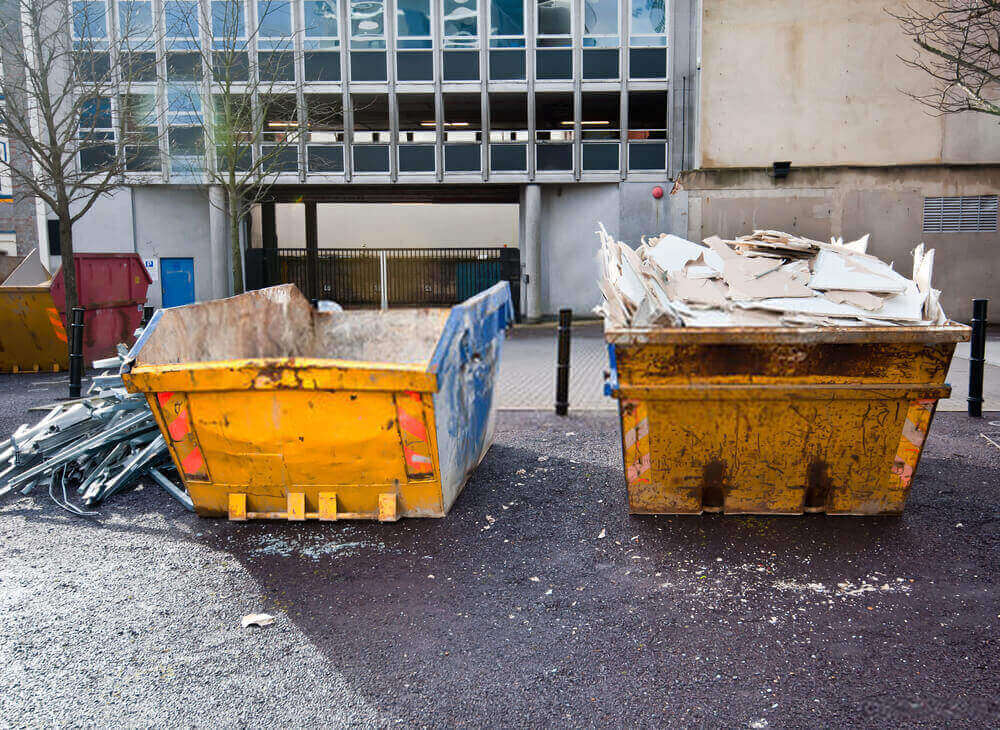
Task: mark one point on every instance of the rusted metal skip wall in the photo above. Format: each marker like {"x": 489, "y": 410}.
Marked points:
{"x": 774, "y": 426}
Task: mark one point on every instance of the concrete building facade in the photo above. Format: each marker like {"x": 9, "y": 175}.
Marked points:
{"x": 825, "y": 93}
{"x": 554, "y": 115}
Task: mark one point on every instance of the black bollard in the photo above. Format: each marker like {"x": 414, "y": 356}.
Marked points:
{"x": 977, "y": 359}
{"x": 562, "y": 362}
{"x": 76, "y": 352}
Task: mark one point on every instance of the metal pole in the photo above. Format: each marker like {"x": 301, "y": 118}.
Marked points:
{"x": 383, "y": 272}
{"x": 977, "y": 358}
{"x": 76, "y": 352}
{"x": 562, "y": 362}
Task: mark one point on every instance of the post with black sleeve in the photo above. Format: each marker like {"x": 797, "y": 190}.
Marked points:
{"x": 562, "y": 362}
{"x": 977, "y": 358}
{"x": 76, "y": 352}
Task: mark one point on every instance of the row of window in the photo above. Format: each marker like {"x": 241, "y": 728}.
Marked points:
{"x": 461, "y": 157}
{"x": 551, "y": 64}
{"x": 415, "y": 116}
{"x": 275, "y": 21}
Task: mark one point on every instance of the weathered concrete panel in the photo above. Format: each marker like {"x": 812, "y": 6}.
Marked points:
{"x": 107, "y": 226}
{"x": 818, "y": 83}
{"x": 733, "y": 214}
{"x": 849, "y": 202}
{"x": 966, "y": 265}
{"x": 398, "y": 225}
{"x": 173, "y": 222}
{"x": 570, "y": 270}
{"x": 642, "y": 215}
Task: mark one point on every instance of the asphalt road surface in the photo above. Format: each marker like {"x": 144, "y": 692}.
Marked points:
{"x": 512, "y": 611}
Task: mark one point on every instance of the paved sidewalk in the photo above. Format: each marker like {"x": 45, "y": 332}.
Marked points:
{"x": 528, "y": 371}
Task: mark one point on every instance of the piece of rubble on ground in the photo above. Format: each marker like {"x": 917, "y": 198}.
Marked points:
{"x": 95, "y": 447}
{"x": 768, "y": 278}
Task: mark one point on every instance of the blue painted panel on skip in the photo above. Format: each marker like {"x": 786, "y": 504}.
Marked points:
{"x": 466, "y": 361}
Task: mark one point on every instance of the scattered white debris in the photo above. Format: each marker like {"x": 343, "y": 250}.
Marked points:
{"x": 766, "y": 278}
{"x": 258, "y": 619}
{"x": 314, "y": 545}
{"x": 534, "y": 579}
{"x": 990, "y": 440}
{"x": 602, "y": 534}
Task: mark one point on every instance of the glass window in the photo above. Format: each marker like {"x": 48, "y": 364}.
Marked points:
{"x": 90, "y": 19}
{"x": 321, "y": 19}
{"x": 367, "y": 24}
{"x": 181, "y": 17}
{"x": 507, "y": 24}
{"x": 95, "y": 114}
{"x": 183, "y": 104}
{"x": 461, "y": 24}
{"x": 648, "y": 23}
{"x": 600, "y": 17}
{"x": 600, "y": 23}
{"x": 227, "y": 19}
{"x": 555, "y": 23}
{"x": 413, "y": 24}
{"x": 274, "y": 18}
{"x": 321, "y": 29}
{"x": 135, "y": 19}
{"x": 139, "y": 112}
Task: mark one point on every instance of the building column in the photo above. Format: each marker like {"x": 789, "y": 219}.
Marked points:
{"x": 219, "y": 255}
{"x": 533, "y": 252}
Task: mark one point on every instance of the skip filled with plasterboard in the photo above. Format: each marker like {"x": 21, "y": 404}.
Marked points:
{"x": 767, "y": 278}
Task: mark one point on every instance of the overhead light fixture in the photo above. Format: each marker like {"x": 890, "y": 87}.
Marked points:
{"x": 446, "y": 124}
{"x": 594, "y": 123}
{"x": 280, "y": 125}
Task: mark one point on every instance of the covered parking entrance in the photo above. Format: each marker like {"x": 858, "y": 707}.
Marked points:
{"x": 387, "y": 246}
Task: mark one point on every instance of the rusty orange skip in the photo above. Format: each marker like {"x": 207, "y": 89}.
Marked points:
{"x": 776, "y": 420}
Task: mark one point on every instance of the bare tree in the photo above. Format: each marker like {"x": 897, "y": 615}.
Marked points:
{"x": 957, "y": 44}
{"x": 245, "y": 106}
{"x": 69, "y": 69}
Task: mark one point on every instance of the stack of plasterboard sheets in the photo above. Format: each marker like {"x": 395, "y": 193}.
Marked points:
{"x": 768, "y": 278}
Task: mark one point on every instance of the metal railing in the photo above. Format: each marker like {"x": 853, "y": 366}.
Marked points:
{"x": 387, "y": 277}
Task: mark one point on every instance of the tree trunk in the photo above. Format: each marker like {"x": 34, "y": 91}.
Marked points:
{"x": 233, "y": 205}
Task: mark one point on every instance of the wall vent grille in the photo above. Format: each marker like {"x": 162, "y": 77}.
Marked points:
{"x": 960, "y": 214}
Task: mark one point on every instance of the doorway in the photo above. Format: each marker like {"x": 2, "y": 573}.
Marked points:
{"x": 177, "y": 281}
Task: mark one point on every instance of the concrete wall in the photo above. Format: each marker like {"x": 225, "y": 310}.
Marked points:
{"x": 174, "y": 222}
{"x": 818, "y": 83}
{"x": 155, "y": 222}
{"x": 397, "y": 225}
{"x": 106, "y": 227}
{"x": 849, "y": 202}
{"x": 569, "y": 244}
{"x": 640, "y": 214}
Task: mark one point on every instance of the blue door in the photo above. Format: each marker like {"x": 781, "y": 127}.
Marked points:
{"x": 177, "y": 281}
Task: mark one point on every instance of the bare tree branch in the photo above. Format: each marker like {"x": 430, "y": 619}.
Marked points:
{"x": 62, "y": 87}
{"x": 957, "y": 46}
{"x": 245, "y": 107}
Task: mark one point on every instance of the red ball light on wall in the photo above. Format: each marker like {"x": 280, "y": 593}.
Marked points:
{"x": 657, "y": 192}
